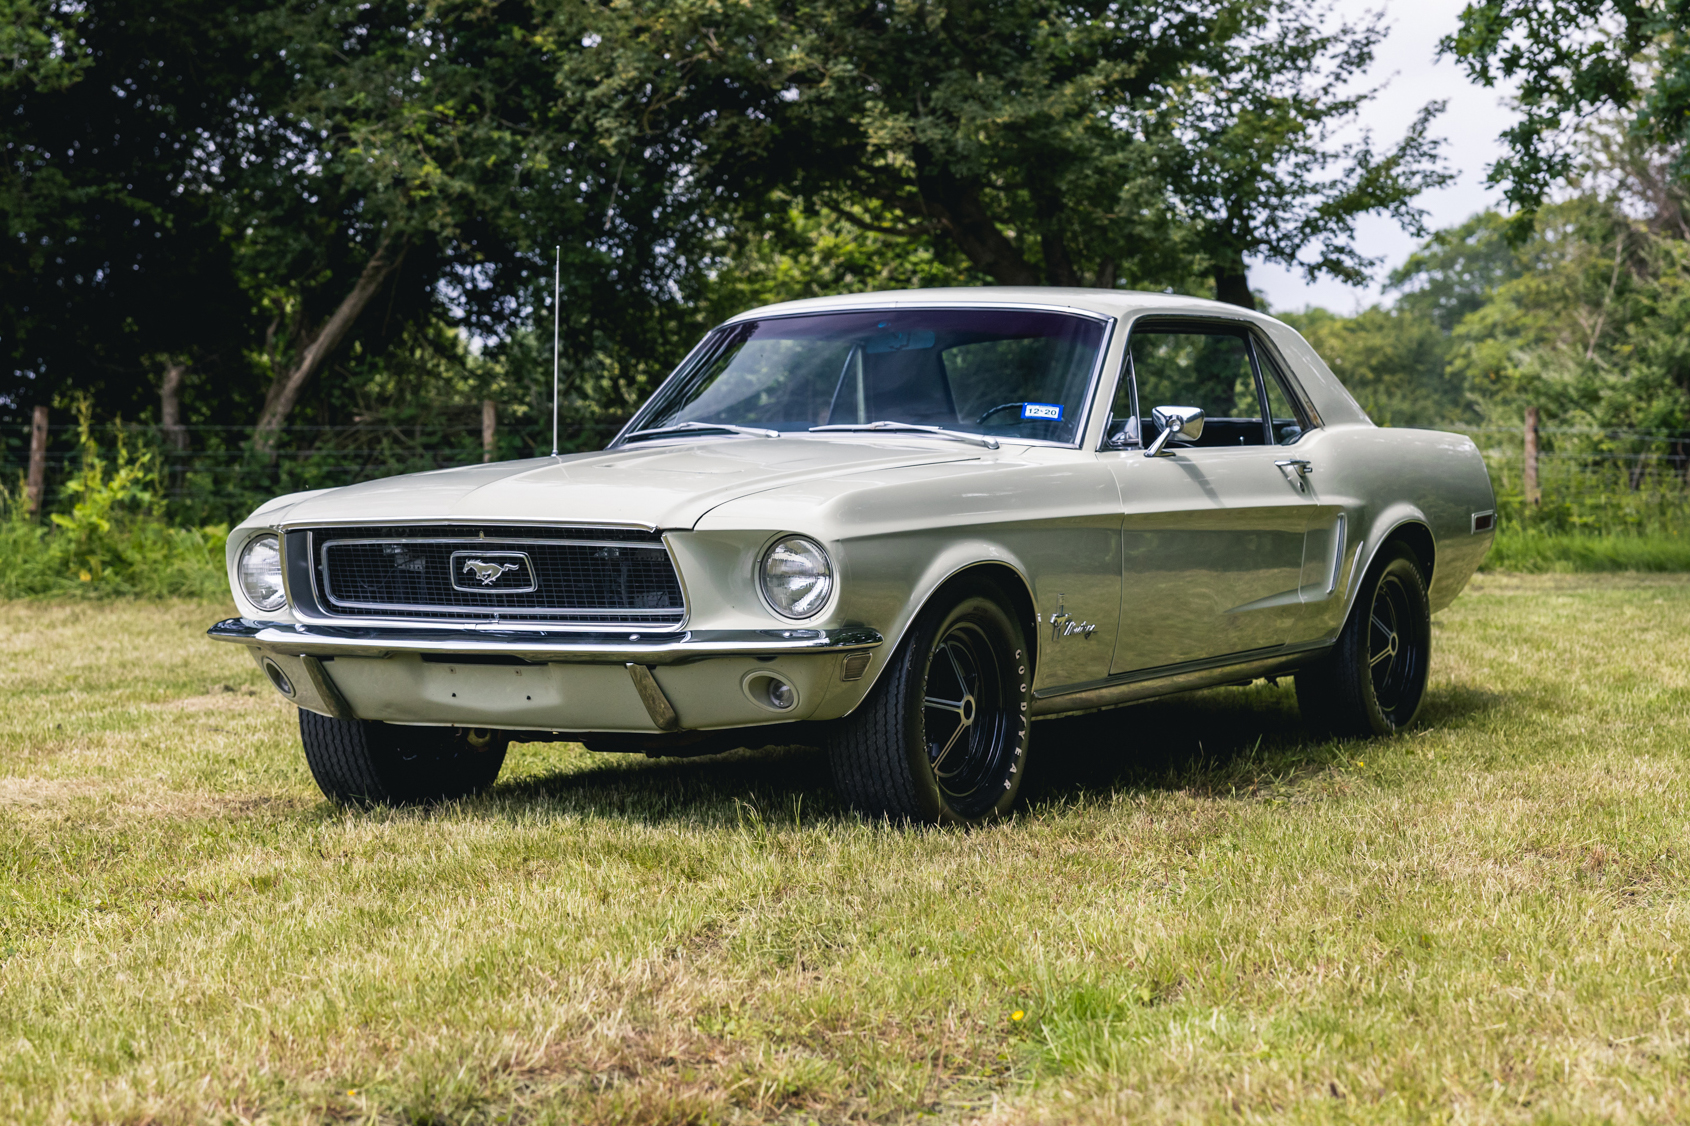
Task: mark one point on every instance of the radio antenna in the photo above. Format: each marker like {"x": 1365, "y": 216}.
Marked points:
{"x": 557, "y": 274}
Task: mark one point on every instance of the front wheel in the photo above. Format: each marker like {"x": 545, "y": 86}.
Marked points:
{"x": 943, "y": 736}
{"x": 360, "y": 762}
{"x": 1373, "y": 681}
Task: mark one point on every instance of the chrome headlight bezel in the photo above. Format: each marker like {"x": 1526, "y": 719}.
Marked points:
{"x": 782, "y": 572}
{"x": 258, "y": 573}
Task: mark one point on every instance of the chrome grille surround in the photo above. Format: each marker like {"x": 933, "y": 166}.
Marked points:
{"x": 591, "y": 577}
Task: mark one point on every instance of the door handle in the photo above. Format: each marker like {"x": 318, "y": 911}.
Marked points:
{"x": 1300, "y": 468}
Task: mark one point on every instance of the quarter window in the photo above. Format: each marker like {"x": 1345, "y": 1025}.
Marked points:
{"x": 1286, "y": 421}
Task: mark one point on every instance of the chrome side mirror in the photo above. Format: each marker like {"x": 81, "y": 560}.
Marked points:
{"x": 1178, "y": 424}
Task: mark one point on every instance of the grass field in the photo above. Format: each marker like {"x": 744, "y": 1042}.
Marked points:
{"x": 1204, "y": 917}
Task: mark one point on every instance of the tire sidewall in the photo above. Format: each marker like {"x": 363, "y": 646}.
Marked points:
{"x": 1403, "y": 567}
{"x": 982, "y": 605}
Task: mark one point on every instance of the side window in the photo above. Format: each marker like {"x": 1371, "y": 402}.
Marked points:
{"x": 1287, "y": 422}
{"x": 1202, "y": 366}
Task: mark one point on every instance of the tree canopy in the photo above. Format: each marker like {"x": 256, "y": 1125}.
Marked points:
{"x": 1573, "y": 60}
{"x": 253, "y": 215}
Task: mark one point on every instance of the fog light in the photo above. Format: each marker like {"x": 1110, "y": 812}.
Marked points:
{"x": 767, "y": 690}
{"x": 278, "y": 677}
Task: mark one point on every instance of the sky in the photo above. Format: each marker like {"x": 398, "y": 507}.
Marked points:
{"x": 1407, "y": 61}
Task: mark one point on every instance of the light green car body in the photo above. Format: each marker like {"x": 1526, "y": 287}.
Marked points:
{"x": 1133, "y": 576}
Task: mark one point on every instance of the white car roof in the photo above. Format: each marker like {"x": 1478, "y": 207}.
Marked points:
{"x": 1108, "y": 302}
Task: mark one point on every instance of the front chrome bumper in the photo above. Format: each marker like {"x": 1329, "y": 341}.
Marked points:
{"x": 407, "y": 675}
{"x": 541, "y": 648}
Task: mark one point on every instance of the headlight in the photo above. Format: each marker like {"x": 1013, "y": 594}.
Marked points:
{"x": 260, "y": 573}
{"x": 797, "y": 576}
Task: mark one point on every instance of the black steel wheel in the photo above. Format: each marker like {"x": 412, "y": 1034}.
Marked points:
{"x": 942, "y": 736}
{"x": 360, "y": 762}
{"x": 1373, "y": 681}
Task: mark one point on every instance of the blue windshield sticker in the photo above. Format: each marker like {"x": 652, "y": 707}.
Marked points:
{"x": 1042, "y": 410}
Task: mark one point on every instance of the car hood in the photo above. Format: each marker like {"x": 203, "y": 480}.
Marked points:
{"x": 667, "y": 485}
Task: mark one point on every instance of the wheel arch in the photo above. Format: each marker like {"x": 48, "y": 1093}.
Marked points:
{"x": 1005, "y": 575}
{"x": 1006, "y": 578}
{"x": 1417, "y": 536}
{"x": 1411, "y": 530}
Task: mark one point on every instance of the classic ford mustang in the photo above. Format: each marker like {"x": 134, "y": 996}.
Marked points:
{"x": 899, "y": 525}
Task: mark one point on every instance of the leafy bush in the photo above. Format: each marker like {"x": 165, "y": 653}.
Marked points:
{"x": 114, "y": 540}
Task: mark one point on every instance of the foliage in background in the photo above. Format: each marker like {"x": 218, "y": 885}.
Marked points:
{"x": 242, "y": 207}
{"x": 1586, "y": 318}
{"x": 303, "y": 242}
{"x": 1393, "y": 361}
{"x": 1572, "y": 60}
{"x": 1048, "y": 143}
{"x": 113, "y": 538}
{"x": 1537, "y": 552}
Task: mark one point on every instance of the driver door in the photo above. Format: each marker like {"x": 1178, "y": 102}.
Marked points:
{"x": 1212, "y": 536}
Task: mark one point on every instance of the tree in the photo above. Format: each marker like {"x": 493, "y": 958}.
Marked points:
{"x": 1456, "y": 270}
{"x": 430, "y": 157}
{"x": 1254, "y": 161}
{"x": 1574, "y": 59}
{"x": 1050, "y": 143}
{"x": 112, "y": 264}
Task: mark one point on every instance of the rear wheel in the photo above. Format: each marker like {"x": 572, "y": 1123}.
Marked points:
{"x": 360, "y": 762}
{"x": 1373, "y": 681}
{"x": 943, "y": 735}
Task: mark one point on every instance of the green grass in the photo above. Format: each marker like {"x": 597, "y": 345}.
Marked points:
{"x": 1206, "y": 916}
{"x": 1534, "y": 552}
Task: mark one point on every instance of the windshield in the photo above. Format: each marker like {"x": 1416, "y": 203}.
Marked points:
{"x": 1008, "y": 373}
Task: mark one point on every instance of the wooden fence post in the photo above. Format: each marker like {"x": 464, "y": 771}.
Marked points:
{"x": 489, "y": 428}
{"x": 1533, "y": 495}
{"x": 35, "y": 486}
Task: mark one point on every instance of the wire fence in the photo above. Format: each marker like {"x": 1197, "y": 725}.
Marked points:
{"x": 1588, "y": 479}
{"x": 210, "y": 473}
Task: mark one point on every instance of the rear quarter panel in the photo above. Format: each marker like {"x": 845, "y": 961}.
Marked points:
{"x": 1382, "y": 478}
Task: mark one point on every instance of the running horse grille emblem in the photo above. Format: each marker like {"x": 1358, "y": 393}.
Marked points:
{"x": 493, "y": 572}
{"x": 489, "y": 573}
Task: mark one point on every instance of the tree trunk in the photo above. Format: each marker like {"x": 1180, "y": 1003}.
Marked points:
{"x": 1232, "y": 284}
{"x": 35, "y": 486}
{"x": 956, "y": 206}
{"x": 286, "y": 388}
{"x": 1059, "y": 267}
{"x": 1105, "y": 274}
{"x": 489, "y": 428}
{"x": 170, "y": 405}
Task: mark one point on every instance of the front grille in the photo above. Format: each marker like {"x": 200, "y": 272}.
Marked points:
{"x": 598, "y": 576}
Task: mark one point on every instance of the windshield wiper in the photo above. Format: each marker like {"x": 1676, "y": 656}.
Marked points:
{"x": 910, "y": 427}
{"x": 684, "y": 427}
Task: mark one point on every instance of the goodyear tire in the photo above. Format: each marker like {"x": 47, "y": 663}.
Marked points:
{"x": 942, "y": 736}
{"x": 1374, "y": 680}
{"x": 358, "y": 762}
